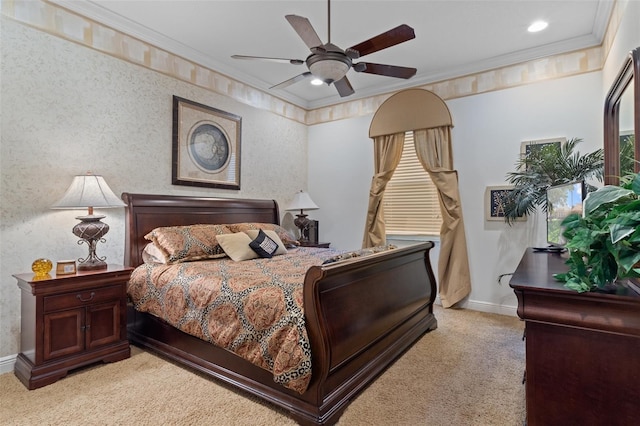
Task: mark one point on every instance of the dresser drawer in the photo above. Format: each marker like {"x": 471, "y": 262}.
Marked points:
{"x": 81, "y": 298}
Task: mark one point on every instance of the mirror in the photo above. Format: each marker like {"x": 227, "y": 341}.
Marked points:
{"x": 622, "y": 122}
{"x": 625, "y": 136}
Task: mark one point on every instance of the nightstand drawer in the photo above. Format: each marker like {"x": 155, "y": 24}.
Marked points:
{"x": 81, "y": 298}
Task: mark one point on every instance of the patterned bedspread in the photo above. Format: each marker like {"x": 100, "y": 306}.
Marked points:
{"x": 253, "y": 308}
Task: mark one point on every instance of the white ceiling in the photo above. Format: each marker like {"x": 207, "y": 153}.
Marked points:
{"x": 453, "y": 37}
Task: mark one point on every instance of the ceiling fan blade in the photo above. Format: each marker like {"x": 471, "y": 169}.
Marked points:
{"x": 388, "y": 70}
{"x": 390, "y": 38}
{"x": 344, "y": 87}
{"x": 263, "y": 58}
{"x": 305, "y": 30}
{"x": 292, "y": 80}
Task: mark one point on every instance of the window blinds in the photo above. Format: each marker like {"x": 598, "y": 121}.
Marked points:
{"x": 410, "y": 201}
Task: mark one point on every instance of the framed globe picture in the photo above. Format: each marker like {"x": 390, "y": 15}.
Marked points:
{"x": 206, "y": 146}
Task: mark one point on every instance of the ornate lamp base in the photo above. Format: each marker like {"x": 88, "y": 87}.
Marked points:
{"x": 91, "y": 230}
{"x": 302, "y": 223}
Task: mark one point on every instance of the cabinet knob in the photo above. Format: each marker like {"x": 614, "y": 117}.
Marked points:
{"x": 79, "y": 296}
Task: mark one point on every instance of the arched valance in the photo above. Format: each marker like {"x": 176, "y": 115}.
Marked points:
{"x": 408, "y": 110}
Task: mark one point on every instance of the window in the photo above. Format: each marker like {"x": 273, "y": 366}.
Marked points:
{"x": 410, "y": 203}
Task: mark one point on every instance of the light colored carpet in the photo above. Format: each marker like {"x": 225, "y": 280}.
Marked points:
{"x": 467, "y": 372}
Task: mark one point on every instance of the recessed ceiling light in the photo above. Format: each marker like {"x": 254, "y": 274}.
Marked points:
{"x": 316, "y": 82}
{"x": 537, "y": 26}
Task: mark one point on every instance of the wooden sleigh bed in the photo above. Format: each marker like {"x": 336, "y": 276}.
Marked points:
{"x": 360, "y": 314}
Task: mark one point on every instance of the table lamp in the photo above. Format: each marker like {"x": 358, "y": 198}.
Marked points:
{"x": 89, "y": 191}
{"x": 302, "y": 201}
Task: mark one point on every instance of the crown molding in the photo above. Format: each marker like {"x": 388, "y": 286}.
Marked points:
{"x": 104, "y": 16}
{"x": 119, "y": 23}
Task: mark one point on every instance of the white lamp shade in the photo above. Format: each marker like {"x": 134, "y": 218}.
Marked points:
{"x": 88, "y": 191}
{"x": 302, "y": 201}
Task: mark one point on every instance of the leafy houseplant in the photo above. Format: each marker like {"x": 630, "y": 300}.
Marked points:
{"x": 604, "y": 242}
{"x": 547, "y": 166}
{"x": 627, "y": 147}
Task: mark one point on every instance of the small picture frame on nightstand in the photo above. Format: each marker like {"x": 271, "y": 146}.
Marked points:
{"x": 312, "y": 231}
{"x": 65, "y": 267}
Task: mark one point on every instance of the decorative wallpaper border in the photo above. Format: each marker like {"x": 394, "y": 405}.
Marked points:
{"x": 71, "y": 26}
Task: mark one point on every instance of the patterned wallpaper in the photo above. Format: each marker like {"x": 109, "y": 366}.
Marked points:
{"x": 66, "y": 110}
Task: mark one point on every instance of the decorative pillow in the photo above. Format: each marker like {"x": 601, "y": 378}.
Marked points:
{"x": 263, "y": 245}
{"x": 236, "y": 246}
{"x": 284, "y": 235}
{"x": 152, "y": 254}
{"x": 190, "y": 242}
{"x": 253, "y": 234}
{"x": 358, "y": 253}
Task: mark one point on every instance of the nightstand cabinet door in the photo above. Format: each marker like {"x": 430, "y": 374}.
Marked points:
{"x": 63, "y": 333}
{"x": 102, "y": 326}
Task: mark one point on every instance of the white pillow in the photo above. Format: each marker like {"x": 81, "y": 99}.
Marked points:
{"x": 152, "y": 254}
{"x": 253, "y": 234}
{"x": 236, "y": 246}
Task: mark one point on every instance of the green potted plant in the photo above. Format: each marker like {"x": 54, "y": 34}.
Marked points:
{"x": 547, "y": 166}
{"x": 604, "y": 241}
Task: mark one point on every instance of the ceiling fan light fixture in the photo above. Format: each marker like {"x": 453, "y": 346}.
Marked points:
{"x": 329, "y": 70}
{"x": 317, "y": 82}
{"x": 329, "y": 67}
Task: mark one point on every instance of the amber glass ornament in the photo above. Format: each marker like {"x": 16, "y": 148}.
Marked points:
{"x": 41, "y": 267}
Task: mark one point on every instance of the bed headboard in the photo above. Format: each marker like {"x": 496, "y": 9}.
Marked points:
{"x": 145, "y": 212}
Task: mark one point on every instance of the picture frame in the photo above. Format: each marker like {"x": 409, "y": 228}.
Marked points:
{"x": 527, "y": 146}
{"x": 206, "y": 146}
{"x": 66, "y": 267}
{"x": 494, "y": 203}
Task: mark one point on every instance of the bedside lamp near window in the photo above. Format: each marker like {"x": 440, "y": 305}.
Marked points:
{"x": 89, "y": 191}
{"x": 302, "y": 201}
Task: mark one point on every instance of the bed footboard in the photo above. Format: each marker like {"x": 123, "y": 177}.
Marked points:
{"x": 361, "y": 314}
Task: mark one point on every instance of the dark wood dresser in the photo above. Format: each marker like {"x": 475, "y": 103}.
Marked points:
{"x": 69, "y": 321}
{"x": 582, "y": 350}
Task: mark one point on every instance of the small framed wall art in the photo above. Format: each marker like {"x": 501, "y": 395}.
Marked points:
{"x": 206, "y": 146}
{"x": 526, "y": 147}
{"x": 495, "y": 199}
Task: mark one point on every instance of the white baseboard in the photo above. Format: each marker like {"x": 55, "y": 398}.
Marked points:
{"x": 490, "y": 308}
{"x": 7, "y": 363}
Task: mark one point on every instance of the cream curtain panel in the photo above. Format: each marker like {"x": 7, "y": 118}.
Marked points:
{"x": 433, "y": 147}
{"x": 387, "y": 153}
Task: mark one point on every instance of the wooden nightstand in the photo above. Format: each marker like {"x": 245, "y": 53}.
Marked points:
{"x": 318, "y": 245}
{"x": 69, "y": 321}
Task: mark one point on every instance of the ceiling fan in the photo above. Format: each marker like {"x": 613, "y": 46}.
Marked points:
{"x": 330, "y": 64}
